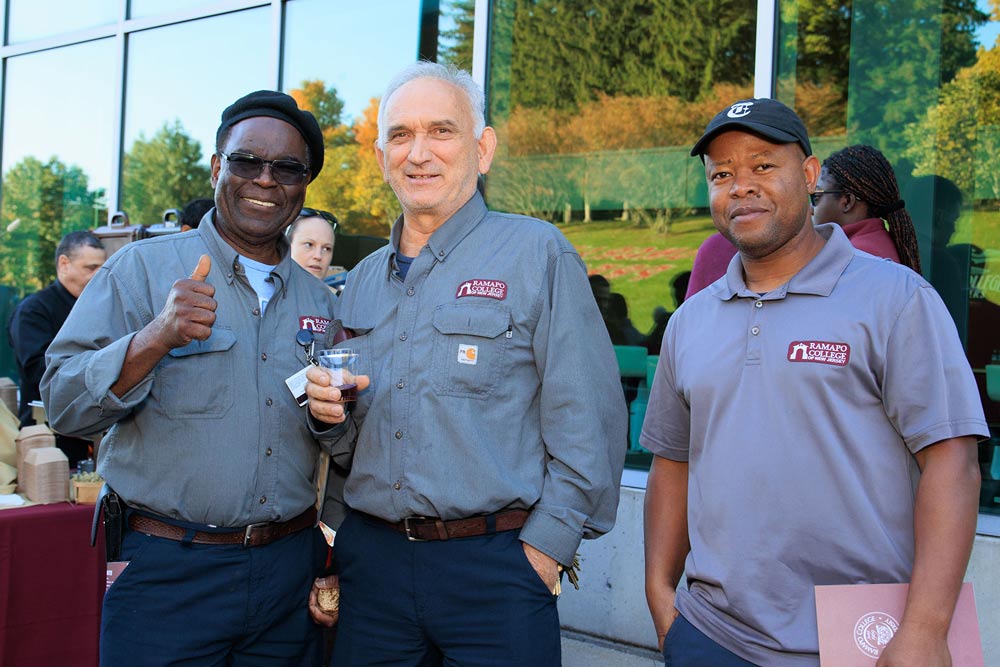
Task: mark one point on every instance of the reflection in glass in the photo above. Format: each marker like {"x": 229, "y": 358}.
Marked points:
{"x": 179, "y": 80}
{"x": 596, "y": 106}
{"x": 921, "y": 81}
{"x": 33, "y": 19}
{"x": 344, "y": 97}
{"x": 57, "y": 156}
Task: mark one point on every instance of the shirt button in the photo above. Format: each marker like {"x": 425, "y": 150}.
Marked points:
{"x": 397, "y": 486}
{"x": 400, "y": 384}
{"x": 268, "y": 452}
{"x": 440, "y": 253}
{"x": 410, "y": 291}
{"x": 759, "y": 304}
{"x": 269, "y": 402}
{"x": 755, "y": 330}
{"x": 256, "y": 312}
{"x": 263, "y": 356}
{"x": 399, "y": 435}
{"x": 402, "y": 336}
{"x": 263, "y": 499}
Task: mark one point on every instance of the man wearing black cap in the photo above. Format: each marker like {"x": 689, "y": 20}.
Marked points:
{"x": 207, "y": 447}
{"x": 813, "y": 420}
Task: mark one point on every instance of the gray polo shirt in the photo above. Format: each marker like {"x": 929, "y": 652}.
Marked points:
{"x": 799, "y": 412}
{"x": 212, "y": 435}
{"x": 494, "y": 382}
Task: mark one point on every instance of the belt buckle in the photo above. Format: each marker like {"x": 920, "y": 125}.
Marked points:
{"x": 249, "y": 530}
{"x": 406, "y": 529}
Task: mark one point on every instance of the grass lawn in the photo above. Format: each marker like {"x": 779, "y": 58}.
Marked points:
{"x": 638, "y": 261}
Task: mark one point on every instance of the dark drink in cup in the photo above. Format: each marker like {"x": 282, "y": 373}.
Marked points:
{"x": 341, "y": 364}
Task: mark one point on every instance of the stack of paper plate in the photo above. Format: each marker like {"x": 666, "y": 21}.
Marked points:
{"x": 44, "y": 475}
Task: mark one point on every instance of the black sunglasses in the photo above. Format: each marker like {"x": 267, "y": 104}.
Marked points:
{"x": 286, "y": 172}
{"x": 315, "y": 212}
{"x": 814, "y": 196}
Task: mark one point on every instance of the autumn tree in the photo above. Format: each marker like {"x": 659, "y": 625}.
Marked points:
{"x": 161, "y": 173}
{"x": 350, "y": 185}
{"x": 959, "y": 138}
{"x": 42, "y": 201}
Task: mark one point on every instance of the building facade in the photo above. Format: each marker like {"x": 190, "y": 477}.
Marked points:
{"x": 111, "y": 106}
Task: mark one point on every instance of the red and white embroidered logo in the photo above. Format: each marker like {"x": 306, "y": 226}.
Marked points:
{"x": 314, "y": 323}
{"x": 819, "y": 352}
{"x": 491, "y": 289}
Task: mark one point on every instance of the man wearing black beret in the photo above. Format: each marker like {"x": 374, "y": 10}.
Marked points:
{"x": 180, "y": 348}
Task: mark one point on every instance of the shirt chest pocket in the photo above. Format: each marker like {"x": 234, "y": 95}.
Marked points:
{"x": 196, "y": 381}
{"x": 470, "y": 344}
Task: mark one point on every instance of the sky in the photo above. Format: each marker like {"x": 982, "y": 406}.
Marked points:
{"x": 192, "y": 71}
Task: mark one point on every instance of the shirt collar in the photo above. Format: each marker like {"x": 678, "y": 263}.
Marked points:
{"x": 818, "y": 277}
{"x": 446, "y": 237}
{"x": 220, "y": 250}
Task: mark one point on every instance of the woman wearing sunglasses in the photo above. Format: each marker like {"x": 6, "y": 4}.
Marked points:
{"x": 857, "y": 189}
{"x": 311, "y": 237}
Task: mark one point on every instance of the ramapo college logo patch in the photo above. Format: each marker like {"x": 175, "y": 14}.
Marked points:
{"x": 819, "y": 352}
{"x": 492, "y": 289}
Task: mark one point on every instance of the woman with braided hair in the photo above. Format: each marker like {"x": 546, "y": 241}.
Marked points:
{"x": 857, "y": 189}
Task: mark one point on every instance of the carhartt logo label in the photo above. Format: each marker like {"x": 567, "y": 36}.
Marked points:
{"x": 492, "y": 289}
{"x": 468, "y": 354}
{"x": 873, "y": 631}
{"x": 314, "y": 323}
{"x": 739, "y": 110}
{"x": 819, "y": 352}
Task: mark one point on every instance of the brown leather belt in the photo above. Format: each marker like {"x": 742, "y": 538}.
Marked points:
{"x": 426, "y": 529}
{"x": 254, "y": 535}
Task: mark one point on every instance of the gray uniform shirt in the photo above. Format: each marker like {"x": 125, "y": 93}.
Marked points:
{"x": 799, "y": 412}
{"x": 494, "y": 382}
{"x": 212, "y": 435}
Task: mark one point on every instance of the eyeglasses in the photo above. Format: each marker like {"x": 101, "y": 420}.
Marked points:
{"x": 814, "y": 196}
{"x": 286, "y": 172}
{"x": 315, "y": 212}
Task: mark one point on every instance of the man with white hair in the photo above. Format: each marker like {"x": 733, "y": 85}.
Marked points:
{"x": 493, "y": 436}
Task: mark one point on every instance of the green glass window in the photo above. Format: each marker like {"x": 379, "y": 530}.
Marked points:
{"x": 596, "y": 106}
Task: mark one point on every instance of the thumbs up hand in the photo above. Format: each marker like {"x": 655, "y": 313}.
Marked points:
{"x": 190, "y": 309}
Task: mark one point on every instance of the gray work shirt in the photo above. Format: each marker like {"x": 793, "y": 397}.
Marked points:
{"x": 494, "y": 382}
{"x": 212, "y": 435}
{"x": 798, "y": 412}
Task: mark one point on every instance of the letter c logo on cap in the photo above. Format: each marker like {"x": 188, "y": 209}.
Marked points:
{"x": 739, "y": 110}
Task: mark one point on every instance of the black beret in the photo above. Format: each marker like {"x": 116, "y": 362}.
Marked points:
{"x": 283, "y": 107}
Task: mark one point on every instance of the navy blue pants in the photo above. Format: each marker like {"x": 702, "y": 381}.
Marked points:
{"x": 686, "y": 646}
{"x": 474, "y": 601}
{"x": 209, "y": 605}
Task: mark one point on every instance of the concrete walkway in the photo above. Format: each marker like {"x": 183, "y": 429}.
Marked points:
{"x": 583, "y": 651}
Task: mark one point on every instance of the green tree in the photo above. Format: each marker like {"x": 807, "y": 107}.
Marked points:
{"x": 162, "y": 172}
{"x": 956, "y": 137}
{"x": 42, "y": 201}
{"x": 456, "y": 44}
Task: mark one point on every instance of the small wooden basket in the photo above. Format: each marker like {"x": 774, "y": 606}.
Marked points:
{"x": 84, "y": 493}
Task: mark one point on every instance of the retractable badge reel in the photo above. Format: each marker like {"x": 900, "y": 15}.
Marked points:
{"x": 297, "y": 383}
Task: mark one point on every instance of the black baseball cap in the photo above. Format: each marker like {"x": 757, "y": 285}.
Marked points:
{"x": 768, "y": 118}
{"x": 283, "y": 107}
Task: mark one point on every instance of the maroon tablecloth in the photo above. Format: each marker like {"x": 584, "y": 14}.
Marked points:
{"x": 51, "y": 586}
